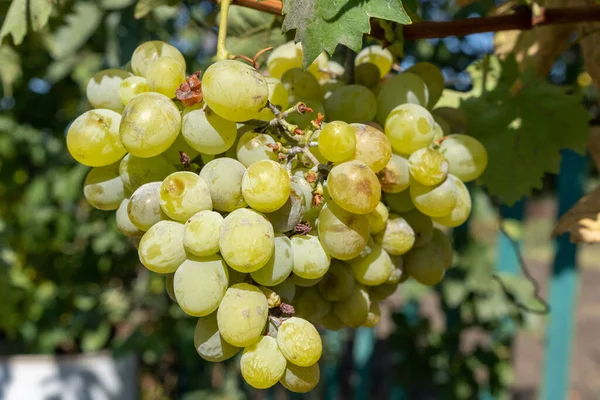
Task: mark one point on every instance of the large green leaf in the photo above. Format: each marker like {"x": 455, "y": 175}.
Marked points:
{"x": 323, "y": 24}
{"x": 16, "y": 24}
{"x": 250, "y": 31}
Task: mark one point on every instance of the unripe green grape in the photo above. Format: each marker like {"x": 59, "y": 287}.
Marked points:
{"x": 354, "y": 187}
{"x": 435, "y": 201}
{"x": 183, "y": 194}
{"x": 398, "y": 237}
{"x": 262, "y": 364}
{"x": 301, "y": 85}
{"x": 253, "y": 147}
{"x": 338, "y": 283}
{"x": 169, "y": 286}
{"x": 103, "y": 188}
{"x": 375, "y": 54}
{"x": 93, "y": 138}
{"x": 383, "y": 291}
{"x": 353, "y": 310}
{"x": 433, "y": 79}
{"x": 147, "y": 52}
{"x": 279, "y": 266}
{"x": 286, "y": 290}
{"x": 223, "y": 176}
{"x": 402, "y": 89}
{"x": 311, "y": 261}
{"x": 278, "y": 96}
{"x": 161, "y": 248}
{"x": 291, "y": 213}
{"x": 201, "y": 234}
{"x": 425, "y": 264}
{"x": 102, "y": 90}
{"x": 131, "y": 87}
{"x": 124, "y": 224}
{"x": 442, "y": 241}
{"x": 374, "y": 315}
{"x": 299, "y": 342}
{"x": 164, "y": 75}
{"x": 331, "y": 322}
{"x": 150, "y": 124}
{"x": 466, "y": 156}
{"x": 351, "y": 103}
{"x": 144, "y": 206}
{"x": 378, "y": 218}
{"x": 304, "y": 120}
{"x": 172, "y": 154}
{"x": 242, "y": 314}
{"x": 395, "y": 176}
{"x": 300, "y": 379}
{"x": 337, "y": 141}
{"x": 304, "y": 282}
{"x": 234, "y": 90}
{"x": 409, "y": 127}
{"x": 135, "y": 171}
{"x": 461, "y": 211}
{"x": 399, "y": 202}
{"x": 266, "y": 186}
{"x": 247, "y": 240}
{"x": 330, "y": 86}
{"x": 372, "y": 147}
{"x": 283, "y": 58}
{"x": 207, "y": 132}
{"x": 209, "y": 343}
{"x": 428, "y": 167}
{"x": 342, "y": 234}
{"x": 421, "y": 224}
{"x": 209, "y": 274}
{"x": 367, "y": 75}
{"x": 373, "y": 266}
{"x": 311, "y": 305}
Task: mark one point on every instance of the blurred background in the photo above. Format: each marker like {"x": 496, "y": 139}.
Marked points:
{"x": 80, "y": 318}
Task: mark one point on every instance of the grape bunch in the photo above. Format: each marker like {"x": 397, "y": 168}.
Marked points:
{"x": 280, "y": 201}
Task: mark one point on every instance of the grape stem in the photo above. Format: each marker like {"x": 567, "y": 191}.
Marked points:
{"x": 222, "y": 53}
{"x": 310, "y": 156}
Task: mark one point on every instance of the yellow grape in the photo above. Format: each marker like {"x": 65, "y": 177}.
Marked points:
{"x": 299, "y": 342}
{"x": 372, "y": 147}
{"x": 131, "y": 87}
{"x": 161, "y": 248}
{"x": 165, "y": 75}
{"x": 403, "y": 89}
{"x": 284, "y": 58}
{"x": 223, "y": 176}
{"x": 252, "y": 147}
{"x": 373, "y": 266}
{"x": 147, "y": 52}
{"x": 311, "y": 261}
{"x": 466, "y": 156}
{"x": 266, "y": 186}
{"x": 183, "y": 194}
{"x": 209, "y": 343}
{"x": 375, "y": 54}
{"x": 395, "y": 176}
{"x": 409, "y": 127}
{"x": 342, "y": 234}
{"x": 279, "y": 266}
{"x": 278, "y": 96}
{"x": 242, "y": 314}
{"x": 354, "y": 187}
{"x": 398, "y": 237}
{"x": 460, "y": 213}
{"x": 378, "y": 218}
{"x": 103, "y": 188}
{"x": 428, "y": 167}
{"x": 201, "y": 234}
{"x": 337, "y": 141}
{"x": 102, "y": 90}
{"x": 135, "y": 171}
{"x": 435, "y": 201}
{"x": 124, "y": 224}
{"x": 144, "y": 206}
{"x": 262, "y": 363}
{"x": 207, "y": 132}
{"x": 300, "y": 379}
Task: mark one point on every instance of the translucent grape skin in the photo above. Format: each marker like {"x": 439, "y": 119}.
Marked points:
{"x": 428, "y": 167}
{"x": 144, "y": 206}
{"x": 131, "y": 87}
{"x": 299, "y": 342}
{"x": 207, "y": 132}
{"x": 103, "y": 187}
{"x": 409, "y": 127}
{"x": 373, "y": 266}
{"x": 402, "y": 89}
{"x": 377, "y": 218}
{"x": 395, "y": 176}
{"x": 161, "y": 248}
{"x": 467, "y": 157}
{"x": 93, "y": 138}
{"x": 422, "y": 226}
{"x": 398, "y": 237}
{"x": 351, "y": 103}
{"x": 201, "y": 234}
{"x": 279, "y": 266}
{"x": 164, "y": 75}
{"x": 337, "y": 141}
{"x": 343, "y": 234}
{"x": 372, "y": 147}
{"x": 300, "y": 379}
{"x": 149, "y": 125}
{"x": 311, "y": 261}
{"x": 234, "y": 90}
{"x": 242, "y": 314}
{"x": 434, "y": 201}
{"x": 147, "y": 52}
{"x": 353, "y": 310}
{"x": 301, "y": 85}
{"x": 135, "y": 171}
{"x": 266, "y": 186}
{"x": 124, "y": 224}
{"x": 247, "y": 240}
{"x": 278, "y": 96}
{"x": 375, "y": 54}
{"x": 209, "y": 343}
{"x": 183, "y": 194}
{"x": 208, "y": 273}
{"x": 354, "y": 187}
{"x": 252, "y": 147}
{"x": 102, "y": 90}
{"x": 262, "y": 364}
{"x": 338, "y": 283}
{"x": 425, "y": 265}
{"x": 399, "y": 202}
{"x": 223, "y": 176}
{"x": 460, "y": 213}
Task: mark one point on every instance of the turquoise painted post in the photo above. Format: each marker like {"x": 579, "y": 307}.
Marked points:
{"x": 411, "y": 311}
{"x": 563, "y": 287}
{"x": 507, "y": 259}
{"x": 362, "y": 351}
{"x": 334, "y": 341}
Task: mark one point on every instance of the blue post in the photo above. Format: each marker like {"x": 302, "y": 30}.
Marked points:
{"x": 507, "y": 259}
{"x": 364, "y": 344}
{"x": 563, "y": 287}
{"x": 334, "y": 341}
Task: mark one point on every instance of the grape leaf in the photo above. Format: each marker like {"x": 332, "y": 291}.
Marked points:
{"x": 10, "y": 68}
{"x": 16, "y": 22}
{"x": 143, "y": 7}
{"x": 524, "y": 122}
{"x": 323, "y": 24}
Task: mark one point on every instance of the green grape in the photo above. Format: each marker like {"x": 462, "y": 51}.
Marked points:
{"x": 337, "y": 141}
{"x": 374, "y": 315}
{"x": 131, "y": 87}
{"x": 209, "y": 343}
{"x": 378, "y": 218}
{"x": 242, "y": 314}
{"x": 351, "y": 103}
{"x": 399, "y": 202}
{"x": 311, "y": 261}
{"x": 208, "y": 133}
{"x": 396, "y": 273}
{"x": 161, "y": 248}
{"x": 428, "y": 167}
{"x": 354, "y": 309}
{"x": 442, "y": 128}
{"x": 409, "y": 127}
{"x": 425, "y": 264}
{"x": 433, "y": 78}
{"x": 303, "y": 121}
{"x": 234, "y": 90}
{"x": 164, "y": 75}
{"x": 236, "y": 276}
{"x": 124, "y": 224}
{"x": 311, "y": 305}
{"x": 266, "y": 186}
{"x": 354, "y": 187}
{"x": 383, "y": 291}
{"x": 343, "y": 234}
{"x": 367, "y": 75}
{"x": 223, "y": 176}
{"x": 395, "y": 176}
{"x": 102, "y": 90}
{"x": 135, "y": 171}
{"x": 444, "y": 246}
{"x": 278, "y": 96}
{"x": 435, "y": 201}
{"x": 372, "y": 147}
{"x": 398, "y": 237}
{"x": 402, "y": 89}
{"x": 373, "y": 266}
{"x": 375, "y": 54}
{"x": 331, "y": 322}
{"x": 93, "y": 138}
{"x": 200, "y": 284}
{"x": 303, "y": 282}
{"x": 286, "y": 290}
{"x": 279, "y": 266}
{"x": 466, "y": 156}
{"x": 144, "y": 206}
{"x": 147, "y": 52}
{"x": 300, "y": 85}
{"x": 103, "y": 188}
{"x": 262, "y": 364}
{"x": 331, "y": 86}
{"x": 291, "y": 213}
{"x": 201, "y": 234}
{"x": 299, "y": 342}
{"x": 253, "y": 147}
{"x": 284, "y": 58}
{"x": 169, "y": 286}
{"x": 460, "y": 213}
{"x": 183, "y": 194}
{"x": 438, "y": 132}
{"x": 150, "y": 124}
{"x": 179, "y": 145}
{"x": 318, "y": 67}
{"x": 300, "y": 379}
{"x": 247, "y": 240}
{"x": 338, "y": 283}
{"x": 421, "y": 224}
